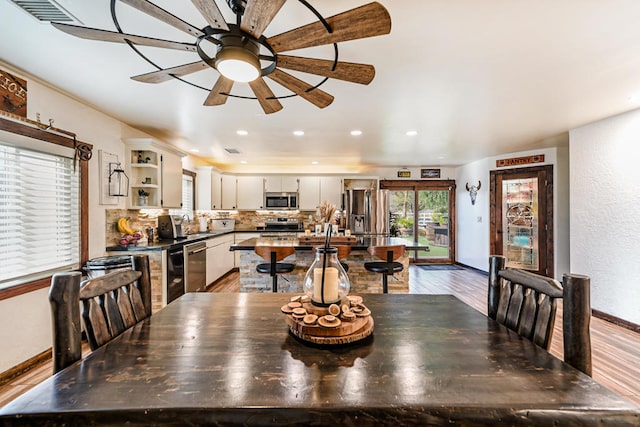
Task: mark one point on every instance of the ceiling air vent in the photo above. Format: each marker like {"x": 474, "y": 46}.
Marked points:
{"x": 232, "y": 150}
{"x": 45, "y": 10}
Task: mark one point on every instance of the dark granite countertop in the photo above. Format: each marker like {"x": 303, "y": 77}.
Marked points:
{"x": 162, "y": 245}
{"x": 361, "y": 243}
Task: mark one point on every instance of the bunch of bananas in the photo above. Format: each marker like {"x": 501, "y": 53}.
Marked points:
{"x": 124, "y": 227}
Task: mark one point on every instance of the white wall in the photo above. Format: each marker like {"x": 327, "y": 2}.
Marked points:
{"x": 472, "y": 244}
{"x": 472, "y": 221}
{"x": 605, "y": 201}
{"x": 25, "y": 325}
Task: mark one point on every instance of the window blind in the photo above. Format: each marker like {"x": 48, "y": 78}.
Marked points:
{"x": 39, "y": 215}
{"x": 187, "y": 198}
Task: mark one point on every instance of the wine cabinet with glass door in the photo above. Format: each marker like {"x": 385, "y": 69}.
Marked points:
{"x": 521, "y": 202}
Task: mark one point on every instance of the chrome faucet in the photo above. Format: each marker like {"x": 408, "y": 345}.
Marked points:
{"x": 187, "y": 217}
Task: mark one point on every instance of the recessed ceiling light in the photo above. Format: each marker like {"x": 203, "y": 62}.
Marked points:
{"x": 356, "y": 132}
{"x": 412, "y": 133}
{"x": 242, "y": 132}
{"x": 298, "y": 132}
{"x": 244, "y": 162}
{"x": 195, "y": 150}
{"x": 315, "y": 162}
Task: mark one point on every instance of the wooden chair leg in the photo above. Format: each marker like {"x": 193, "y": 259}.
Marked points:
{"x": 576, "y": 321}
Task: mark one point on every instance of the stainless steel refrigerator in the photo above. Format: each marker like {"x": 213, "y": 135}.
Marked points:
{"x": 360, "y": 211}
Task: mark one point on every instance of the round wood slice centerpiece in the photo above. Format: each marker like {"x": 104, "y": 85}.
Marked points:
{"x": 334, "y": 325}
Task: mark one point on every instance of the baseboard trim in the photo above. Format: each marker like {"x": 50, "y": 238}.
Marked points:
{"x": 25, "y": 366}
{"x": 485, "y": 273}
{"x": 596, "y": 313}
{"x": 616, "y": 320}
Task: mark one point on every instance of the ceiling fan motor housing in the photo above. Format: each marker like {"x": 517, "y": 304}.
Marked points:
{"x": 236, "y": 47}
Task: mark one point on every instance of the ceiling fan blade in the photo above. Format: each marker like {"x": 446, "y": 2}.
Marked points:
{"x": 168, "y": 73}
{"x": 316, "y": 96}
{"x": 220, "y": 92}
{"x": 164, "y": 16}
{"x": 348, "y": 71}
{"x": 365, "y": 21}
{"x": 258, "y": 15}
{"x": 264, "y": 93}
{"x": 211, "y": 13}
{"x": 111, "y": 36}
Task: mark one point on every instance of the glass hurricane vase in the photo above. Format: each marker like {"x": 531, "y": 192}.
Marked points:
{"x": 326, "y": 282}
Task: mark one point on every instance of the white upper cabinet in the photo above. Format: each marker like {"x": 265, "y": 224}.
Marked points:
{"x": 216, "y": 190}
{"x": 171, "y": 165}
{"x": 228, "y": 190}
{"x": 273, "y": 183}
{"x": 203, "y": 188}
{"x": 331, "y": 190}
{"x": 281, "y": 183}
{"x": 250, "y": 192}
{"x": 209, "y": 188}
{"x": 309, "y": 195}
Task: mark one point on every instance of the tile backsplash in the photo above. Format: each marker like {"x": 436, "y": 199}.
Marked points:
{"x": 148, "y": 218}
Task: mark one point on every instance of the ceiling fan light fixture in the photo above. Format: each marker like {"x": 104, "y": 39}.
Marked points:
{"x": 237, "y": 59}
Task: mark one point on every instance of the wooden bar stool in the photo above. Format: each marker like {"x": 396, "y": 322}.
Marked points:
{"x": 388, "y": 267}
{"x": 343, "y": 252}
{"x": 273, "y": 254}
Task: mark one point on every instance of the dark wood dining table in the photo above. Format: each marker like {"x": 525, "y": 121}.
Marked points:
{"x": 229, "y": 359}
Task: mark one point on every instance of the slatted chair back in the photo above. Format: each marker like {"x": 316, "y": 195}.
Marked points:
{"x": 110, "y": 304}
{"x": 526, "y": 303}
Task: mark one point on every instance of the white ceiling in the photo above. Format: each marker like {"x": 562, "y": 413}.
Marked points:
{"x": 474, "y": 78}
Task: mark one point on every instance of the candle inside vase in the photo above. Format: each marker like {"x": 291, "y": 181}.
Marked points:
{"x": 330, "y": 285}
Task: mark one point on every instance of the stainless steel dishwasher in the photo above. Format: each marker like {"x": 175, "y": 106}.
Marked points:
{"x": 195, "y": 266}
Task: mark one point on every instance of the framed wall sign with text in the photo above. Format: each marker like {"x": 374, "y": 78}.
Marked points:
{"x": 13, "y": 93}
{"x": 429, "y": 173}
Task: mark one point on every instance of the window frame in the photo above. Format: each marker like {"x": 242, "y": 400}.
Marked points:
{"x": 83, "y": 154}
{"x": 192, "y": 209}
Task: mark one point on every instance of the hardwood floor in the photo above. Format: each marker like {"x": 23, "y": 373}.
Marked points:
{"x": 615, "y": 350}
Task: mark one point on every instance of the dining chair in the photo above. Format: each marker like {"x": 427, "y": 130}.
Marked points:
{"x": 110, "y": 304}
{"x": 526, "y": 303}
{"x": 387, "y": 267}
{"x": 274, "y": 254}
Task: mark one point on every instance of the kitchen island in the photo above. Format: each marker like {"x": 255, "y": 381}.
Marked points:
{"x": 362, "y": 281}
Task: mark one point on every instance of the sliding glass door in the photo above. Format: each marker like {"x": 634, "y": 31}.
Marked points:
{"x": 421, "y": 212}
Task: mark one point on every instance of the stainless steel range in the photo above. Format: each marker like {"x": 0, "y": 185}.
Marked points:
{"x": 281, "y": 224}
{"x": 286, "y": 227}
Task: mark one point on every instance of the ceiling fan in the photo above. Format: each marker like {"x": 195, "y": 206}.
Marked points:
{"x": 245, "y": 54}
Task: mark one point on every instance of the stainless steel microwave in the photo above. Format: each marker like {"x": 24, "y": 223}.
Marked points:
{"x": 280, "y": 201}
